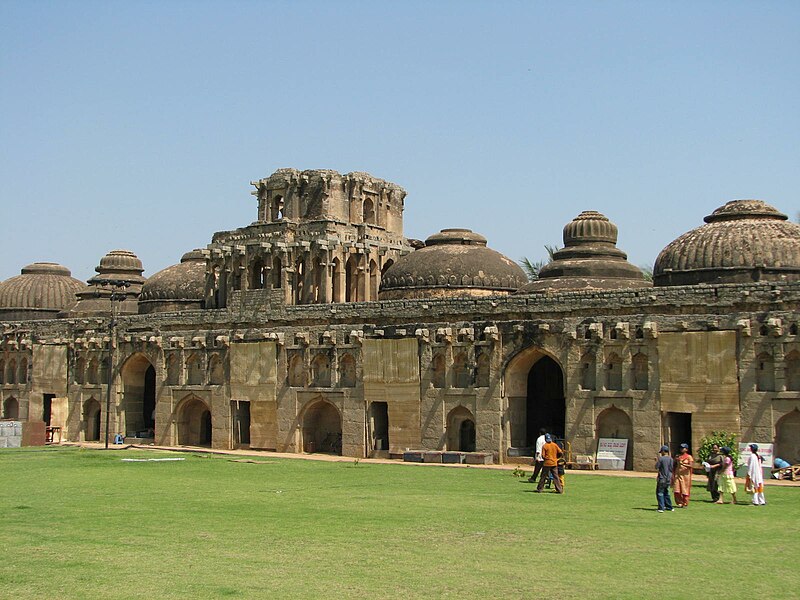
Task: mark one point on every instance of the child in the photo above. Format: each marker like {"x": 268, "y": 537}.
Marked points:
{"x": 727, "y": 484}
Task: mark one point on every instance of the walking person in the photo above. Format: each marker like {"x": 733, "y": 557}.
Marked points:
{"x": 714, "y": 462}
{"x": 537, "y": 457}
{"x": 550, "y": 455}
{"x": 682, "y": 477}
{"x": 756, "y": 476}
{"x": 664, "y": 466}
{"x": 727, "y": 484}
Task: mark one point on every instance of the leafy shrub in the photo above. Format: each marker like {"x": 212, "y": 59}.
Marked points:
{"x": 721, "y": 438}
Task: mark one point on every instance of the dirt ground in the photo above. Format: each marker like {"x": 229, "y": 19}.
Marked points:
{"x": 335, "y": 458}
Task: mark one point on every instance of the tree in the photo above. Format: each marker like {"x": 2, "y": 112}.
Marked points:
{"x": 532, "y": 268}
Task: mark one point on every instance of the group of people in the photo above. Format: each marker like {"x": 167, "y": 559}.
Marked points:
{"x": 547, "y": 456}
{"x": 677, "y": 473}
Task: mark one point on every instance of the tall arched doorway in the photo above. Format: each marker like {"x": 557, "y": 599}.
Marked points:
{"x": 91, "y": 420}
{"x": 787, "y": 437}
{"x": 322, "y": 428}
{"x": 194, "y": 423}
{"x": 138, "y": 396}
{"x": 616, "y": 424}
{"x": 545, "y": 402}
{"x": 461, "y": 430}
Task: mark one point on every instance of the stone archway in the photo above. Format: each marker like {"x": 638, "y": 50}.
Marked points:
{"x": 461, "y": 430}
{"x": 91, "y": 420}
{"x": 138, "y": 396}
{"x": 321, "y": 429}
{"x": 787, "y": 437}
{"x": 615, "y": 423}
{"x": 194, "y": 423}
{"x": 534, "y": 388}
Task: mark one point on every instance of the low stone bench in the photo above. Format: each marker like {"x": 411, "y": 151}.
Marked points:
{"x": 432, "y": 457}
{"x": 478, "y": 458}
{"x": 413, "y": 456}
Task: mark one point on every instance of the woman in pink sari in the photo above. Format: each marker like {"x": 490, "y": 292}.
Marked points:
{"x": 682, "y": 477}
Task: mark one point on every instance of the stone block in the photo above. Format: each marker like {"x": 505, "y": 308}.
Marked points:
{"x": 33, "y": 433}
{"x": 432, "y": 457}
{"x": 478, "y": 458}
{"x": 413, "y": 456}
{"x": 453, "y": 458}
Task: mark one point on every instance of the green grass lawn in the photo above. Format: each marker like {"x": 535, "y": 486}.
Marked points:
{"x": 82, "y": 523}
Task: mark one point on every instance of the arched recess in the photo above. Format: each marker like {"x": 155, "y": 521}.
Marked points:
{"x": 91, "y": 420}
{"x": 194, "y": 422}
{"x": 613, "y": 372}
{"x": 318, "y": 273}
{"x": 482, "y": 370}
{"x": 22, "y": 371}
{"x": 640, "y": 366}
{"x": 534, "y": 387}
{"x": 374, "y": 280}
{"x": 138, "y": 396}
{"x": 787, "y": 437}
{"x": 11, "y": 408}
{"x": 462, "y": 377}
{"x": 2, "y": 371}
{"x": 11, "y": 371}
{"x": 347, "y": 371}
{"x": 300, "y": 281}
{"x": 80, "y": 370}
{"x": 195, "y": 373}
{"x": 321, "y": 370}
{"x": 765, "y": 373}
{"x": 615, "y": 423}
{"x": 321, "y": 429}
{"x": 588, "y": 371}
{"x": 352, "y": 280}
{"x": 257, "y": 274}
{"x": 461, "y": 430}
{"x": 93, "y": 372}
{"x": 337, "y": 282}
{"x": 216, "y": 370}
{"x": 792, "y": 371}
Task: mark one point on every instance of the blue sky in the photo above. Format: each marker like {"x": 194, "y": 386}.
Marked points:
{"x": 139, "y": 125}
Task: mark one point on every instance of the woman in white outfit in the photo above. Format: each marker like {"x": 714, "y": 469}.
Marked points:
{"x": 755, "y": 475}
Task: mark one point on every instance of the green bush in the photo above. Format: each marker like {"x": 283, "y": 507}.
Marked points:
{"x": 721, "y": 438}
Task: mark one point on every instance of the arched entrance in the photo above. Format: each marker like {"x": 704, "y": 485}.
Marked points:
{"x": 460, "y": 430}
{"x": 534, "y": 388}
{"x": 138, "y": 396}
{"x": 194, "y": 423}
{"x": 616, "y": 424}
{"x": 787, "y": 437}
{"x": 546, "y": 407}
{"x": 91, "y": 420}
{"x": 322, "y": 428}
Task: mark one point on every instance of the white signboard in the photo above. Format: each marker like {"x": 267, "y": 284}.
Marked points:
{"x": 764, "y": 451}
{"x": 611, "y": 453}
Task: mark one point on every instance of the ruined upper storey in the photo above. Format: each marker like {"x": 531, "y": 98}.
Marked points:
{"x": 313, "y": 195}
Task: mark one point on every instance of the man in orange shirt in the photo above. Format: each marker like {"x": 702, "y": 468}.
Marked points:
{"x": 550, "y": 453}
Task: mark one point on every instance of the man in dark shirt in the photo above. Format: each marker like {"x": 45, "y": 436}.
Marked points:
{"x": 664, "y": 466}
{"x": 714, "y": 461}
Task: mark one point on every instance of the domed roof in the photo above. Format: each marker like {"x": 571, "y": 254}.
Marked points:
{"x": 742, "y": 241}
{"x": 454, "y": 262}
{"x": 181, "y": 283}
{"x": 589, "y": 259}
{"x": 42, "y": 289}
{"x": 119, "y": 264}
{"x": 119, "y": 271}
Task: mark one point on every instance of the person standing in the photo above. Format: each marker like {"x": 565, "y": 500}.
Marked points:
{"x": 537, "y": 457}
{"x": 727, "y": 484}
{"x": 714, "y": 462}
{"x": 550, "y": 455}
{"x": 664, "y": 465}
{"x": 682, "y": 478}
{"x": 756, "y": 476}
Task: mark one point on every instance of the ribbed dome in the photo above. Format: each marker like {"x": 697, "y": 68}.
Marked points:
{"x": 742, "y": 241}
{"x": 115, "y": 268}
{"x": 178, "y": 287}
{"x": 40, "y": 292}
{"x": 454, "y": 262}
{"x": 119, "y": 264}
{"x": 590, "y": 259}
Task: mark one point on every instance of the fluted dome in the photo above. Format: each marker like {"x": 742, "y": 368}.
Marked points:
{"x": 119, "y": 273}
{"x": 41, "y": 291}
{"x": 453, "y": 263}
{"x": 178, "y": 287}
{"x": 742, "y": 241}
{"x": 590, "y": 259}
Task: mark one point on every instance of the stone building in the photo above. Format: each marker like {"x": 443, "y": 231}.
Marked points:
{"x": 320, "y": 328}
